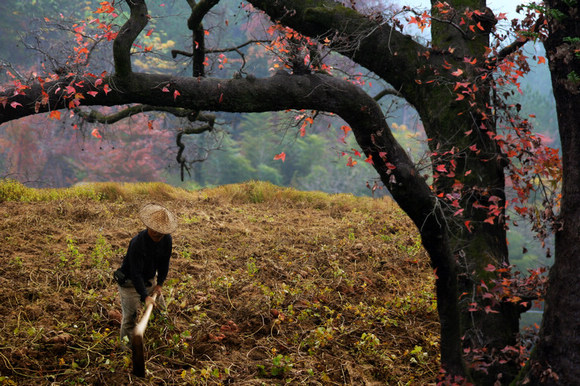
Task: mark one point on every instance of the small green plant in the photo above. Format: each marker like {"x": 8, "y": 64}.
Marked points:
{"x": 72, "y": 257}
{"x": 191, "y": 220}
{"x": 418, "y": 355}
{"x": 252, "y": 267}
{"x": 351, "y": 235}
{"x": 186, "y": 251}
{"x": 17, "y": 261}
{"x": 368, "y": 342}
{"x": 412, "y": 248}
{"x": 206, "y": 375}
{"x": 318, "y": 338}
{"x": 102, "y": 253}
{"x": 281, "y": 365}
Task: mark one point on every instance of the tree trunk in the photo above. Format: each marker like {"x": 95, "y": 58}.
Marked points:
{"x": 557, "y": 357}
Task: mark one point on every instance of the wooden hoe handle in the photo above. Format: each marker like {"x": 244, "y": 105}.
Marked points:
{"x": 138, "y": 344}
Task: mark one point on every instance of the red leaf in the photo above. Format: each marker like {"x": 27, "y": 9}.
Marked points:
{"x": 458, "y": 72}
{"x": 221, "y": 98}
{"x": 55, "y": 114}
{"x": 441, "y": 168}
{"x": 281, "y": 156}
{"x": 489, "y": 220}
{"x": 106, "y": 89}
{"x": 15, "y": 104}
{"x": 488, "y": 310}
{"x": 176, "y": 94}
{"x": 92, "y": 93}
{"x": 149, "y": 32}
{"x": 490, "y": 268}
{"x": 541, "y": 60}
{"x": 467, "y": 225}
{"x": 95, "y": 133}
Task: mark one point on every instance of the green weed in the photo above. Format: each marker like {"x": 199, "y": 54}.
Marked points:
{"x": 102, "y": 253}
{"x": 72, "y": 258}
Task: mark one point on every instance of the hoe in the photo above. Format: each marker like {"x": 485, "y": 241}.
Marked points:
{"x": 138, "y": 345}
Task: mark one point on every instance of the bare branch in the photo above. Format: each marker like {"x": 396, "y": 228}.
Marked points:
{"x": 93, "y": 116}
{"x": 520, "y": 42}
{"x": 183, "y": 162}
{"x": 388, "y": 91}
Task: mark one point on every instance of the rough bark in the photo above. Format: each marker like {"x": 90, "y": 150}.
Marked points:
{"x": 557, "y": 357}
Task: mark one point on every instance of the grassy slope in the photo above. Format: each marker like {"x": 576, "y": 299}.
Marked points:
{"x": 267, "y": 286}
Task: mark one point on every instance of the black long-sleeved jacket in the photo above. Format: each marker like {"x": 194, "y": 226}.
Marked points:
{"x": 145, "y": 258}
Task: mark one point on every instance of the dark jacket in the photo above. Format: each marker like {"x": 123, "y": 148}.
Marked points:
{"x": 144, "y": 259}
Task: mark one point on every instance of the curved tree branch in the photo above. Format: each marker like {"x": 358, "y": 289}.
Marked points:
{"x": 96, "y": 116}
{"x": 183, "y": 162}
{"x": 129, "y": 31}
{"x": 194, "y": 23}
{"x": 281, "y": 92}
{"x": 373, "y": 44}
{"x": 387, "y": 91}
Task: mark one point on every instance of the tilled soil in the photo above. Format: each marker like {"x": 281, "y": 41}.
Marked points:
{"x": 279, "y": 290}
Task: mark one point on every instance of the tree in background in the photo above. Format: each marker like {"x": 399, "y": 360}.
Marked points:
{"x": 556, "y": 360}
{"x": 458, "y": 203}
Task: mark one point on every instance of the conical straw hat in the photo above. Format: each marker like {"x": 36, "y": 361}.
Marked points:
{"x": 158, "y": 218}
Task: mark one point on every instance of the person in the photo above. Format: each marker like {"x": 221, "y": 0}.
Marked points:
{"x": 145, "y": 266}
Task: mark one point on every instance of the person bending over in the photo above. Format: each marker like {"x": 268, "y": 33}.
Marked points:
{"x": 146, "y": 264}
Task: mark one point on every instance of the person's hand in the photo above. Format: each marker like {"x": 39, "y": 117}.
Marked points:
{"x": 157, "y": 290}
{"x": 149, "y": 300}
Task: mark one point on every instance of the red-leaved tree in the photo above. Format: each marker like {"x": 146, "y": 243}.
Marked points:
{"x": 458, "y": 83}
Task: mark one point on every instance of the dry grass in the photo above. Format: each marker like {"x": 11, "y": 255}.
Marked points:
{"x": 267, "y": 285}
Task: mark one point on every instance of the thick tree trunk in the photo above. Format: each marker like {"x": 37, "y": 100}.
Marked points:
{"x": 557, "y": 357}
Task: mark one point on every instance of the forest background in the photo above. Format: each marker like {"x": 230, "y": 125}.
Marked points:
{"x": 43, "y": 152}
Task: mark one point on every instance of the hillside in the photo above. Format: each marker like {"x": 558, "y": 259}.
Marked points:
{"x": 267, "y": 286}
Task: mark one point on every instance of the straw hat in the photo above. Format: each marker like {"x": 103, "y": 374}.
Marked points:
{"x": 158, "y": 218}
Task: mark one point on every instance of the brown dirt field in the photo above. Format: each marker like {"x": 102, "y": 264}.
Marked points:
{"x": 264, "y": 289}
